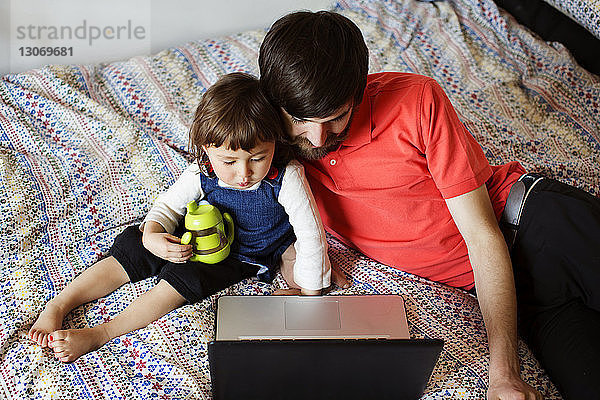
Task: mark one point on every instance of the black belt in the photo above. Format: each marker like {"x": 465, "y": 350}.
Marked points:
{"x": 511, "y": 216}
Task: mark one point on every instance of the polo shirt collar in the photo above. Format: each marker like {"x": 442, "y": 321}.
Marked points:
{"x": 360, "y": 128}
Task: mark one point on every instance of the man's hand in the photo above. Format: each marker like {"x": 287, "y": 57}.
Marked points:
{"x": 163, "y": 244}
{"x": 511, "y": 388}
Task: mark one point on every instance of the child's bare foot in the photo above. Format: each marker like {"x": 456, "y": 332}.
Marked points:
{"x": 70, "y": 344}
{"x": 49, "y": 320}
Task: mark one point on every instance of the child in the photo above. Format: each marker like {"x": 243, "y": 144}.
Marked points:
{"x": 240, "y": 169}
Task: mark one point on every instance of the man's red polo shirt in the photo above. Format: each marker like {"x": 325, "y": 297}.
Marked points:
{"x": 382, "y": 192}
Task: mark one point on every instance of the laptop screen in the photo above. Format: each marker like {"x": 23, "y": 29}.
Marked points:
{"x": 317, "y": 347}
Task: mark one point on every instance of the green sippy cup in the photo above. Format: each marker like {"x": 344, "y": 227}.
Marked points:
{"x": 206, "y": 233}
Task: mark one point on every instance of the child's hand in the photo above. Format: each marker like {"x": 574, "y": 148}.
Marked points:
{"x": 296, "y": 292}
{"x": 308, "y": 292}
{"x": 164, "y": 245}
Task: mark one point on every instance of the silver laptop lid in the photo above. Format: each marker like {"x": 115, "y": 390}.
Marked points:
{"x": 311, "y": 317}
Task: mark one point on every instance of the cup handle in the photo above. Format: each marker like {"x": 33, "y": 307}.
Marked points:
{"x": 186, "y": 238}
{"x": 230, "y": 231}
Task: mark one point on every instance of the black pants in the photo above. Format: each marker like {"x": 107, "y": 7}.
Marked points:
{"x": 556, "y": 262}
{"x": 194, "y": 281}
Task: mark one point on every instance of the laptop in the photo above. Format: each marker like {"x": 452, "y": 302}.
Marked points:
{"x": 317, "y": 347}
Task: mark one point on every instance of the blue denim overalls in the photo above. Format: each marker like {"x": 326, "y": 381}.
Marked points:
{"x": 262, "y": 228}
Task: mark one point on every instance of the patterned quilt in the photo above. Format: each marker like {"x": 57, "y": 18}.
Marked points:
{"x": 86, "y": 149}
{"x": 585, "y": 12}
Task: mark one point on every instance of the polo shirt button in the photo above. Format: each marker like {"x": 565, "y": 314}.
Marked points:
{"x": 332, "y": 162}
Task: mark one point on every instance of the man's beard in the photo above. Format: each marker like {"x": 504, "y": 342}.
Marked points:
{"x": 304, "y": 148}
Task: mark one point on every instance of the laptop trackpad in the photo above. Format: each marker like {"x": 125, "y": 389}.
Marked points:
{"x": 313, "y": 315}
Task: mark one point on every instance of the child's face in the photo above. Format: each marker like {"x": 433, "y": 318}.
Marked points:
{"x": 240, "y": 168}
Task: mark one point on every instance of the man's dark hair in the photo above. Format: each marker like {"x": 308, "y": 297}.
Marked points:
{"x": 312, "y": 63}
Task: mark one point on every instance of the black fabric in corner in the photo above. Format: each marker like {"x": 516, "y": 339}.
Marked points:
{"x": 552, "y": 25}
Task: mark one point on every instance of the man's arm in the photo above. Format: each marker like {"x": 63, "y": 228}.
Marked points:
{"x": 473, "y": 214}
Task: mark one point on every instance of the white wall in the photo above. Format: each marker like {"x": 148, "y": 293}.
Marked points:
{"x": 167, "y": 22}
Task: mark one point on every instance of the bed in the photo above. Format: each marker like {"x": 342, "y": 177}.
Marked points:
{"x": 85, "y": 150}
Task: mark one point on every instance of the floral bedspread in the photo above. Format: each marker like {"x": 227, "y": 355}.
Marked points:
{"x": 85, "y": 150}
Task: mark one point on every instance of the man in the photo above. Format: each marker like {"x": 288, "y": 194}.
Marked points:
{"x": 397, "y": 176}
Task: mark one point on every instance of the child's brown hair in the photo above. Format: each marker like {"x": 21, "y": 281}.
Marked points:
{"x": 235, "y": 112}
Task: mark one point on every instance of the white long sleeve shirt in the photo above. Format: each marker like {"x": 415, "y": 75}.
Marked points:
{"x": 312, "y": 269}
